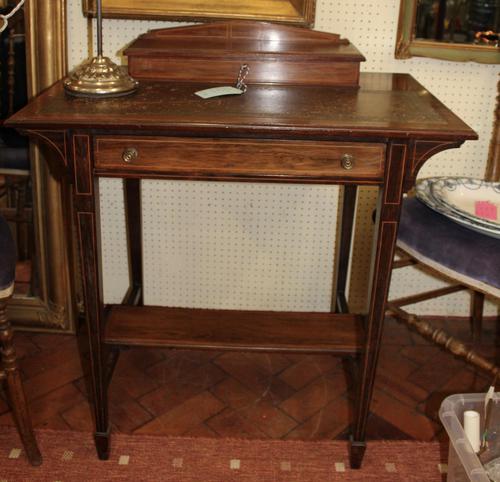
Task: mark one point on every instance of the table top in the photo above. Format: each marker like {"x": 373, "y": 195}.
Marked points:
{"x": 385, "y": 105}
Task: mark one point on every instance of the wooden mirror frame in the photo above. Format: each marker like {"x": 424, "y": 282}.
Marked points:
{"x": 295, "y": 12}
{"x": 53, "y": 307}
{"x": 407, "y": 46}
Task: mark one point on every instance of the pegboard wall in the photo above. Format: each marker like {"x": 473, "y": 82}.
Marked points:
{"x": 230, "y": 245}
{"x": 254, "y": 246}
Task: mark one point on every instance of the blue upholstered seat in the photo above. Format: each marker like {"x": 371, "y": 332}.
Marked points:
{"x": 14, "y": 153}
{"x": 16, "y": 158}
{"x": 7, "y": 258}
{"x": 463, "y": 254}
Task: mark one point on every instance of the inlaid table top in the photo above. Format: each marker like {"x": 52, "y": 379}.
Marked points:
{"x": 394, "y": 105}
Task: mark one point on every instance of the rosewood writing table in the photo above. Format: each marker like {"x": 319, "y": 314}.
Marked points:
{"x": 292, "y": 128}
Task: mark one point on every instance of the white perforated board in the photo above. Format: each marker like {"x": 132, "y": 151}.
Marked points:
{"x": 298, "y": 276}
{"x": 238, "y": 246}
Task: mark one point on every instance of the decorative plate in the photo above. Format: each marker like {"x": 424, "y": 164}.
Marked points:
{"x": 424, "y": 194}
{"x": 473, "y": 198}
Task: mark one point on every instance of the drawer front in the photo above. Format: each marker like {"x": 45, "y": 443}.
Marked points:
{"x": 232, "y": 158}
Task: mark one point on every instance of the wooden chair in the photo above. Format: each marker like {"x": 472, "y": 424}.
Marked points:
{"x": 9, "y": 371}
{"x": 470, "y": 260}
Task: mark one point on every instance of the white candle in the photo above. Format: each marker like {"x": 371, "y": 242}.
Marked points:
{"x": 472, "y": 429}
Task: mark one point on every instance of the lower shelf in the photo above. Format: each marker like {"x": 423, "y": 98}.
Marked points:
{"x": 234, "y": 330}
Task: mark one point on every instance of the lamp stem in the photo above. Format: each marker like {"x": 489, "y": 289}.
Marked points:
{"x": 99, "y": 28}
{"x": 99, "y": 76}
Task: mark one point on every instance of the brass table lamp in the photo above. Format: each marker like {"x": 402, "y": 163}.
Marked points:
{"x": 100, "y": 76}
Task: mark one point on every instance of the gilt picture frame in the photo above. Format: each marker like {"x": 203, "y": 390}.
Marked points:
{"x": 408, "y": 46}
{"x": 54, "y": 305}
{"x": 294, "y": 12}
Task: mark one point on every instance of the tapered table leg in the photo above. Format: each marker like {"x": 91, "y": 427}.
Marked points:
{"x": 15, "y": 391}
{"x": 388, "y": 211}
{"x": 348, "y": 209}
{"x": 86, "y": 206}
{"x": 133, "y": 217}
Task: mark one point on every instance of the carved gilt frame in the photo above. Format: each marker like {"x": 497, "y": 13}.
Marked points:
{"x": 53, "y": 308}
{"x": 296, "y": 12}
{"x": 407, "y": 46}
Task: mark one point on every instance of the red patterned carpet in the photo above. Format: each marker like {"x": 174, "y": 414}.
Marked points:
{"x": 70, "y": 456}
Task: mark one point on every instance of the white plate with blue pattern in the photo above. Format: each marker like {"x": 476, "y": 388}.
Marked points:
{"x": 424, "y": 193}
{"x": 473, "y": 198}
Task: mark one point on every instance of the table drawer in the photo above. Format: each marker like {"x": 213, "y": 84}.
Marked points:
{"x": 227, "y": 158}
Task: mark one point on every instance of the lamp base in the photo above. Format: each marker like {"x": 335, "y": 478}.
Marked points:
{"x": 100, "y": 77}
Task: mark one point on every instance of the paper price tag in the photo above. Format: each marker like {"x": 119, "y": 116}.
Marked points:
{"x": 486, "y": 210}
{"x": 218, "y": 92}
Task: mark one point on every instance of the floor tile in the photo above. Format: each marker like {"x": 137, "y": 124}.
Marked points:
{"x": 184, "y": 417}
{"x": 233, "y": 394}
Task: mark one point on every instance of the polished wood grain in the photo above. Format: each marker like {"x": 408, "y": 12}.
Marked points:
{"x": 386, "y": 227}
{"x": 208, "y": 158}
{"x": 86, "y": 210}
{"x": 342, "y": 74}
{"x": 386, "y": 105}
{"x": 234, "y": 330}
{"x": 275, "y": 54}
{"x": 83, "y": 177}
{"x": 87, "y": 233}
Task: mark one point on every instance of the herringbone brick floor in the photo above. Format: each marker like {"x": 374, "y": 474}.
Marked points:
{"x": 232, "y": 394}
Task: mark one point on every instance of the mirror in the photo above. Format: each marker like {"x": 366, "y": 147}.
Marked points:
{"x": 458, "y": 21}
{"x": 296, "y": 12}
{"x": 458, "y": 30}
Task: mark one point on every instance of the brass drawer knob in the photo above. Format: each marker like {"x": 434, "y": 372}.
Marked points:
{"x": 347, "y": 161}
{"x": 129, "y": 154}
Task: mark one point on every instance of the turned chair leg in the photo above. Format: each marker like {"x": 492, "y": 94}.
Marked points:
{"x": 15, "y": 391}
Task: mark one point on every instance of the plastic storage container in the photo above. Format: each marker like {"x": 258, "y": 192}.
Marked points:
{"x": 463, "y": 463}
